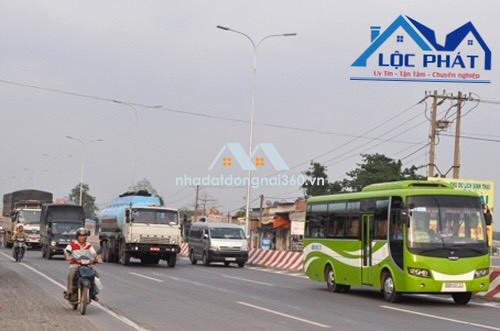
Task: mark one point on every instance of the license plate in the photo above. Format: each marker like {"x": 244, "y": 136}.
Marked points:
{"x": 230, "y": 259}
{"x": 154, "y": 249}
{"x": 453, "y": 287}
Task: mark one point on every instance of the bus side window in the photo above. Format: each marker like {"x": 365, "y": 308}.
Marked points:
{"x": 316, "y": 221}
{"x": 380, "y": 221}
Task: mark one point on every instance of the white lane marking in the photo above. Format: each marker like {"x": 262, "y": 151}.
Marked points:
{"x": 248, "y": 280}
{"x": 147, "y": 277}
{"x": 277, "y": 272}
{"x": 488, "y": 304}
{"x": 122, "y": 318}
{"x": 282, "y": 314}
{"x": 443, "y": 318}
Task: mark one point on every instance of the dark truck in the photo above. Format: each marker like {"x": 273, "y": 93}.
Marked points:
{"x": 59, "y": 223}
{"x": 23, "y": 207}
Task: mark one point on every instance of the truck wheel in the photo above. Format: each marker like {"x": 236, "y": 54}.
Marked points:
{"x": 172, "y": 258}
{"x": 124, "y": 255}
{"x": 105, "y": 251}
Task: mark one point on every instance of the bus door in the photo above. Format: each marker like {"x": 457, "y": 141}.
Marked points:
{"x": 366, "y": 247}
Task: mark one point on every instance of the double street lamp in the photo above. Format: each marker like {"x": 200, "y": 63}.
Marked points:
{"x": 250, "y": 145}
{"x": 84, "y": 144}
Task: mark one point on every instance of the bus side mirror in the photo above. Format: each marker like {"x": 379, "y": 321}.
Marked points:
{"x": 127, "y": 216}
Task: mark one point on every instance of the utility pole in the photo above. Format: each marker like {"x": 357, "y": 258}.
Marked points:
{"x": 196, "y": 204}
{"x": 443, "y": 124}
{"x": 432, "y": 150}
{"x": 456, "y": 157}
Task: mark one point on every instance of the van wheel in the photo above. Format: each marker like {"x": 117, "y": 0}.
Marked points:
{"x": 330, "y": 280}
{"x": 191, "y": 257}
{"x": 226, "y": 264}
{"x": 389, "y": 288}
{"x": 205, "y": 259}
{"x": 241, "y": 264}
{"x": 462, "y": 298}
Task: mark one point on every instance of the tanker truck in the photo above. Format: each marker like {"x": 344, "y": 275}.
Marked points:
{"x": 23, "y": 207}
{"x": 136, "y": 225}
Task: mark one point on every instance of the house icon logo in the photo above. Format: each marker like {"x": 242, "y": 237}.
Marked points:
{"x": 408, "y": 50}
{"x": 234, "y": 152}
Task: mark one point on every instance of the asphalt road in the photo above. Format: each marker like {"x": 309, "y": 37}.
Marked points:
{"x": 218, "y": 298}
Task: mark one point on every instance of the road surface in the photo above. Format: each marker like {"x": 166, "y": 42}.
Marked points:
{"x": 188, "y": 297}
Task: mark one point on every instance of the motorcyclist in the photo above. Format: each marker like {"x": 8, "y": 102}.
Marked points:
{"x": 75, "y": 250}
{"x": 19, "y": 234}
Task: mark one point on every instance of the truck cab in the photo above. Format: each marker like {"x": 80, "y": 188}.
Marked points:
{"x": 136, "y": 226}
{"x": 59, "y": 223}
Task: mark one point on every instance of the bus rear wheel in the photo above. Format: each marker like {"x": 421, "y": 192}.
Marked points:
{"x": 330, "y": 281}
{"x": 389, "y": 289}
{"x": 462, "y": 298}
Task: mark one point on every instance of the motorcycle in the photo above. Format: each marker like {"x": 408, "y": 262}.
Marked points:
{"x": 19, "y": 250}
{"x": 83, "y": 285}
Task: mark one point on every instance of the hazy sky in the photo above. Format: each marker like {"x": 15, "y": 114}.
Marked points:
{"x": 170, "y": 53}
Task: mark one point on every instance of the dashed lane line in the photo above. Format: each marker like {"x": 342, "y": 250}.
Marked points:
{"x": 484, "y": 326}
{"x": 147, "y": 277}
{"x": 282, "y": 314}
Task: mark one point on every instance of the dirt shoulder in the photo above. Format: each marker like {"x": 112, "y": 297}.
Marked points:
{"x": 25, "y": 306}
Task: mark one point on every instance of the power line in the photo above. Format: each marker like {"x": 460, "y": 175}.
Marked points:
{"x": 184, "y": 112}
{"x": 471, "y": 137}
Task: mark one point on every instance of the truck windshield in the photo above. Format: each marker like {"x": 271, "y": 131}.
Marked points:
{"x": 446, "y": 223}
{"x": 154, "y": 216}
{"x": 227, "y": 233}
{"x": 65, "y": 228}
{"x": 29, "y": 216}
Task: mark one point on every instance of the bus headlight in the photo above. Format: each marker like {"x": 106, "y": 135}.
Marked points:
{"x": 419, "y": 272}
{"x": 481, "y": 272}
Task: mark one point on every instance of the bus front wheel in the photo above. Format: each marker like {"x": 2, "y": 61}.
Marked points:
{"x": 389, "y": 289}
{"x": 462, "y": 298}
{"x": 330, "y": 280}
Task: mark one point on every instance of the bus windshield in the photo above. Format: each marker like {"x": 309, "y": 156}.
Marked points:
{"x": 446, "y": 223}
{"x": 29, "y": 216}
{"x": 154, "y": 216}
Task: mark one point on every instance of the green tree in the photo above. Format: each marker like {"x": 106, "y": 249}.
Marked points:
{"x": 145, "y": 184}
{"x": 88, "y": 201}
{"x": 377, "y": 168}
{"x": 312, "y": 185}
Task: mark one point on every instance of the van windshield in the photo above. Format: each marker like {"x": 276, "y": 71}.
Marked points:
{"x": 227, "y": 233}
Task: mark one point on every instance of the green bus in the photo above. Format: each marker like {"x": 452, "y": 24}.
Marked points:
{"x": 399, "y": 237}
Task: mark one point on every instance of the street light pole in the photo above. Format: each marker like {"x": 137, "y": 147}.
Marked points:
{"x": 252, "y": 111}
{"x": 84, "y": 144}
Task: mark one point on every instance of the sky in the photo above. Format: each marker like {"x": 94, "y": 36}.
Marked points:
{"x": 170, "y": 53}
